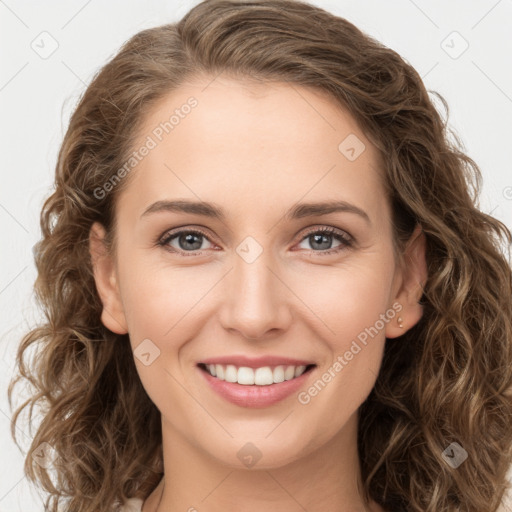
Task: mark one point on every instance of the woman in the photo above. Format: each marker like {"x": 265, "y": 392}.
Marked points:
{"x": 338, "y": 335}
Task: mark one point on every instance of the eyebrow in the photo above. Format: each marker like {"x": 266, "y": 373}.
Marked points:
{"x": 295, "y": 212}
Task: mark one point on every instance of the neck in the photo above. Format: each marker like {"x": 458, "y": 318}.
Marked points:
{"x": 326, "y": 478}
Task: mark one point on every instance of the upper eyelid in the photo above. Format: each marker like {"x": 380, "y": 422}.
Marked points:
{"x": 170, "y": 234}
{"x": 167, "y": 235}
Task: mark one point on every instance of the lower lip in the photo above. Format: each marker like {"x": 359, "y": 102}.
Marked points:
{"x": 255, "y": 396}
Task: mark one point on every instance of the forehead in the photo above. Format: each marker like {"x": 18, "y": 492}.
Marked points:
{"x": 245, "y": 143}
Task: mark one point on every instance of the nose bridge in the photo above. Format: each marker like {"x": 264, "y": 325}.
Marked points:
{"x": 255, "y": 300}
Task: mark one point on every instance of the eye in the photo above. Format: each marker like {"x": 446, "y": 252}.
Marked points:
{"x": 190, "y": 240}
{"x": 322, "y": 239}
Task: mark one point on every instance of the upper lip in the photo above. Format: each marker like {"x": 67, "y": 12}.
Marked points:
{"x": 256, "y": 362}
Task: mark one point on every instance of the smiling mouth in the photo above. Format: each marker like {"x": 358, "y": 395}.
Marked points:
{"x": 263, "y": 376}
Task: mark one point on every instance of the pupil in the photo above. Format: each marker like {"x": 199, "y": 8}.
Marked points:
{"x": 189, "y": 239}
{"x": 318, "y": 239}
{"x": 321, "y": 239}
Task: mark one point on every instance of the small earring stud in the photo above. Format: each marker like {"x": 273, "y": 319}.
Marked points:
{"x": 400, "y": 324}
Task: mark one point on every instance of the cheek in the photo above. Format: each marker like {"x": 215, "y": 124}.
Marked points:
{"x": 158, "y": 299}
{"x": 159, "y": 307}
{"x": 353, "y": 307}
{"x": 346, "y": 300}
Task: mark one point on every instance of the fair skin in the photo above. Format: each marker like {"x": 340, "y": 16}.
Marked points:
{"x": 256, "y": 151}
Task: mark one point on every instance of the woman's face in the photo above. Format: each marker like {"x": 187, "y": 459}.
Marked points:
{"x": 259, "y": 280}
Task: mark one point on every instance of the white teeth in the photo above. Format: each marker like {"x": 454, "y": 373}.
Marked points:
{"x": 245, "y": 375}
{"x": 278, "y": 374}
{"x": 289, "y": 373}
{"x": 230, "y": 375}
{"x": 263, "y": 376}
{"x": 299, "y": 370}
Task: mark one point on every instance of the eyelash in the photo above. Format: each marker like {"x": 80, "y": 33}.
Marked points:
{"x": 346, "y": 240}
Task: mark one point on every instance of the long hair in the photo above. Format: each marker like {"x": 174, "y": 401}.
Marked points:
{"x": 446, "y": 380}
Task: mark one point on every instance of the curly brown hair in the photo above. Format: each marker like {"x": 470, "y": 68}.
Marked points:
{"x": 447, "y": 379}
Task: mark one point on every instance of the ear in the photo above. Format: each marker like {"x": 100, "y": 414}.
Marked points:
{"x": 411, "y": 279}
{"x": 105, "y": 276}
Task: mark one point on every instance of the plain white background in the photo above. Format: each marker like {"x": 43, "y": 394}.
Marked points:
{"x": 50, "y": 51}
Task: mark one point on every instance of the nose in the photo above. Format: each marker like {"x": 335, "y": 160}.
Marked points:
{"x": 256, "y": 301}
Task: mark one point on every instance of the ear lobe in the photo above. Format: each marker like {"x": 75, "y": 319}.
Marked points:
{"x": 414, "y": 276}
{"x": 105, "y": 277}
